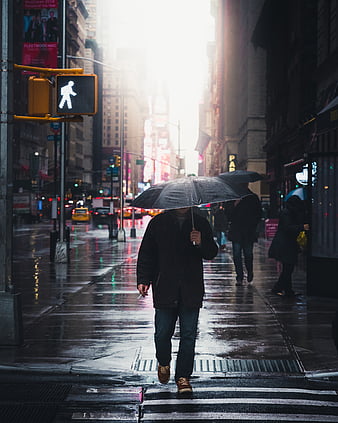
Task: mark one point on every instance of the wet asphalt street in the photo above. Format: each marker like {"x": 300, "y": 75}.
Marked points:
{"x": 84, "y": 319}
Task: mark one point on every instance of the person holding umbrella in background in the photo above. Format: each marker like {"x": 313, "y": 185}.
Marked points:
{"x": 170, "y": 259}
{"x": 284, "y": 247}
{"x": 244, "y": 217}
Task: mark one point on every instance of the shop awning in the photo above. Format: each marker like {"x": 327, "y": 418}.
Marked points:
{"x": 327, "y": 118}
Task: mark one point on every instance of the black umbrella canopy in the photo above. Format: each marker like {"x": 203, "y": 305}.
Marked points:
{"x": 187, "y": 192}
{"x": 241, "y": 176}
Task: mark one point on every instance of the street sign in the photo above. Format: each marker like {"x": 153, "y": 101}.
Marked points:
{"x": 54, "y": 137}
{"x": 55, "y": 127}
{"x": 140, "y": 162}
{"x": 76, "y": 94}
{"x": 112, "y": 171}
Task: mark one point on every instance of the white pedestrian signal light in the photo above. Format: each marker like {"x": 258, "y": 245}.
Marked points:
{"x": 76, "y": 94}
{"x": 66, "y": 92}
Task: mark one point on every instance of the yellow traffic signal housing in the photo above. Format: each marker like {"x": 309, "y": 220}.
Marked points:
{"x": 117, "y": 161}
{"x": 39, "y": 96}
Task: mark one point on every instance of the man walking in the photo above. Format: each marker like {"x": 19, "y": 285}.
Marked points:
{"x": 170, "y": 260}
{"x": 244, "y": 217}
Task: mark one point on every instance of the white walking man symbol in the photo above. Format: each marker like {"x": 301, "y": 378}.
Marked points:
{"x": 66, "y": 92}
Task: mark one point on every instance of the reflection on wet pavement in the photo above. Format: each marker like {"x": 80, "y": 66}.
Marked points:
{"x": 87, "y": 315}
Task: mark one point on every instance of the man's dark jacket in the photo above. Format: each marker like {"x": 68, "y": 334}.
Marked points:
{"x": 244, "y": 220}
{"x": 169, "y": 261}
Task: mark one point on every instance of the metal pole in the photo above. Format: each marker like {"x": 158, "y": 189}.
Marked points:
{"x": 111, "y": 208}
{"x": 6, "y": 76}
{"x": 55, "y": 177}
{"x": 61, "y": 254}
{"x": 179, "y": 146}
{"x": 133, "y": 229}
{"x": 121, "y": 236}
{"x": 11, "y": 332}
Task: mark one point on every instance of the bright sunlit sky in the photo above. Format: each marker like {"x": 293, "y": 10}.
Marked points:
{"x": 175, "y": 34}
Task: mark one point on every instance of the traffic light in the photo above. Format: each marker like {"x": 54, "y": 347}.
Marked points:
{"x": 76, "y": 94}
{"x": 117, "y": 161}
{"x": 39, "y": 95}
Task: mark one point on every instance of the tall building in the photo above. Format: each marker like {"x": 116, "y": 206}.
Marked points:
{"x": 300, "y": 39}
{"x": 289, "y": 29}
{"x": 124, "y": 113}
{"x": 235, "y": 118}
{"x": 78, "y": 135}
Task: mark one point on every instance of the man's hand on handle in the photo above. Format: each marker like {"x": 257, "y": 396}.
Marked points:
{"x": 195, "y": 237}
{"x": 143, "y": 289}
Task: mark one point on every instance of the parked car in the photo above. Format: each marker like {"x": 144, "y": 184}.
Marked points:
{"x": 103, "y": 216}
{"x": 80, "y": 214}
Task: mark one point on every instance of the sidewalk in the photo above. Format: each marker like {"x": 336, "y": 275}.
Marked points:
{"x": 85, "y": 317}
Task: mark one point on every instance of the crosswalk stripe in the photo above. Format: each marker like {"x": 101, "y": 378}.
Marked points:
{"x": 256, "y": 417}
{"x": 265, "y": 401}
{"x": 252, "y": 389}
{"x": 287, "y": 402}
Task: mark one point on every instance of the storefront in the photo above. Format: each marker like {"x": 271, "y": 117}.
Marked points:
{"x": 322, "y": 269}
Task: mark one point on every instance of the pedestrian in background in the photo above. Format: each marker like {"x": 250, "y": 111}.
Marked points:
{"x": 244, "y": 215}
{"x": 170, "y": 260}
{"x": 220, "y": 224}
{"x": 284, "y": 247}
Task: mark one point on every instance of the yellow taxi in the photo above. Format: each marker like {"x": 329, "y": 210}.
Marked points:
{"x": 80, "y": 214}
{"x": 154, "y": 212}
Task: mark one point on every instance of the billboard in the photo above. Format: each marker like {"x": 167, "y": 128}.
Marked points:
{"x": 40, "y": 33}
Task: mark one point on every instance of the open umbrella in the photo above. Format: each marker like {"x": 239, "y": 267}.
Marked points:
{"x": 187, "y": 192}
{"x": 241, "y": 176}
{"x": 300, "y": 192}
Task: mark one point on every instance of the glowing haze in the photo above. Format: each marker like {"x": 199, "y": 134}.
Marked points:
{"x": 175, "y": 34}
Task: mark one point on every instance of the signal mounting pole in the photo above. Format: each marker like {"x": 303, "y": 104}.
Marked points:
{"x": 61, "y": 253}
{"x": 121, "y": 235}
{"x": 11, "y": 332}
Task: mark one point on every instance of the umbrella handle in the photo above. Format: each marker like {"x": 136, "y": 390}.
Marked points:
{"x": 193, "y": 223}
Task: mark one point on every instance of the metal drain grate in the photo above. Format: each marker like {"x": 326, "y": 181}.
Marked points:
{"x": 229, "y": 366}
{"x": 27, "y": 413}
{"x": 34, "y": 392}
{"x": 31, "y": 402}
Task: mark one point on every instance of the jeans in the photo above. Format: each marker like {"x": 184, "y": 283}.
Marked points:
{"x": 247, "y": 248}
{"x": 165, "y": 322}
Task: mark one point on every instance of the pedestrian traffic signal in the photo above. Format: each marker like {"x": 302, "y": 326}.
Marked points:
{"x": 117, "y": 161}
{"x": 39, "y": 95}
{"x": 76, "y": 94}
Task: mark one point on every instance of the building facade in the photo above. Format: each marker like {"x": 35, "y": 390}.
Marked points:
{"x": 235, "y": 115}
{"x": 300, "y": 39}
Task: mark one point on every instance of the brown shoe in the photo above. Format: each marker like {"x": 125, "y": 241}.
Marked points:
{"x": 183, "y": 385}
{"x": 163, "y": 373}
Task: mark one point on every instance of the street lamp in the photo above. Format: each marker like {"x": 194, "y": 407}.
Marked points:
{"x": 121, "y": 236}
{"x": 178, "y": 126}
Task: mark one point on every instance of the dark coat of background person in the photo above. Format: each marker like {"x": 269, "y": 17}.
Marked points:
{"x": 284, "y": 247}
{"x": 172, "y": 263}
{"x": 244, "y": 218}
{"x": 220, "y": 220}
